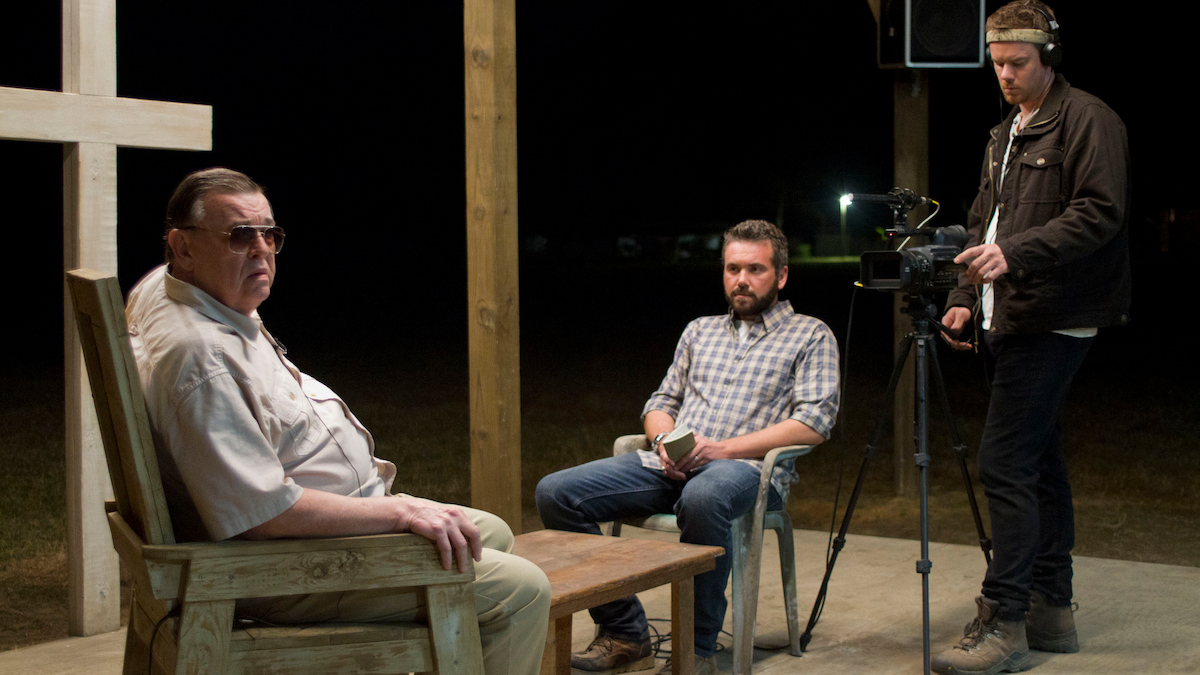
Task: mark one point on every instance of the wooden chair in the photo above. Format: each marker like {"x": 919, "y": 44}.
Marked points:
{"x": 183, "y": 599}
{"x": 747, "y": 540}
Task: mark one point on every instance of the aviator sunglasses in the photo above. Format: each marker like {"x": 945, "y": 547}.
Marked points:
{"x": 242, "y": 237}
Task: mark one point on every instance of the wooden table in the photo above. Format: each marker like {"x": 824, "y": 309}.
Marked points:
{"x": 586, "y": 570}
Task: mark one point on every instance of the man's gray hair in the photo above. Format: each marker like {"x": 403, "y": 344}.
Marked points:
{"x": 186, "y": 207}
{"x": 760, "y": 230}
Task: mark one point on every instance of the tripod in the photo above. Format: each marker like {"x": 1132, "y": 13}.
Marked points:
{"x": 921, "y": 309}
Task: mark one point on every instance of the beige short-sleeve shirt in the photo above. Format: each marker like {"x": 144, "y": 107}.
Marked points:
{"x": 240, "y": 431}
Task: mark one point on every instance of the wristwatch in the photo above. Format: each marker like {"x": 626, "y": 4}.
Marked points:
{"x": 654, "y": 445}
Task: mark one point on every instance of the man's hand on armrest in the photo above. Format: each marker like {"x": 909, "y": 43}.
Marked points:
{"x": 750, "y": 446}
{"x": 447, "y": 526}
{"x": 324, "y": 514}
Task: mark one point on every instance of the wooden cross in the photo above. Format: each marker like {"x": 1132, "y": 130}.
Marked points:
{"x": 90, "y": 121}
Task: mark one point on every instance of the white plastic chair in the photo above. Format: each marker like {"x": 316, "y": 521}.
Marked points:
{"x": 747, "y": 538}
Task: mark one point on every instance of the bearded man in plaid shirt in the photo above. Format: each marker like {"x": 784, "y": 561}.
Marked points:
{"x": 757, "y": 378}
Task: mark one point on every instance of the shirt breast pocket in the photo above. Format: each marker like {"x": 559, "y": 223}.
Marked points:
{"x": 1041, "y": 175}
{"x": 294, "y": 437}
{"x": 771, "y": 376}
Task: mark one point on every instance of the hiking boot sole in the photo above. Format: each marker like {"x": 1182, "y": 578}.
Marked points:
{"x": 644, "y": 663}
{"x": 1015, "y": 663}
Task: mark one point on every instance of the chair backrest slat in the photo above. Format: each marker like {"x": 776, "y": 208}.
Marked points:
{"x": 120, "y": 405}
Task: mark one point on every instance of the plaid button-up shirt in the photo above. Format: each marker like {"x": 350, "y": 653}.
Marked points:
{"x": 787, "y": 368}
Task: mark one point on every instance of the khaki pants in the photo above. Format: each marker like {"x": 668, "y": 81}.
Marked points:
{"x": 512, "y": 600}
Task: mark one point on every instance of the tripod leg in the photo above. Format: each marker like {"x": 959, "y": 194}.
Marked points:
{"x": 868, "y": 454}
{"x": 922, "y": 458}
{"x": 960, "y": 449}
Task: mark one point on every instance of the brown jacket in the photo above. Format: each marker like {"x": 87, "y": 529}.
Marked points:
{"x": 1064, "y": 218}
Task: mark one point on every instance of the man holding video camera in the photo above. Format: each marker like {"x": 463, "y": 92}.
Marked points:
{"x": 1048, "y": 265}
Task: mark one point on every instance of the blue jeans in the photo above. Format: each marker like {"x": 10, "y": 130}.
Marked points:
{"x": 1022, "y": 470}
{"x": 705, "y": 505}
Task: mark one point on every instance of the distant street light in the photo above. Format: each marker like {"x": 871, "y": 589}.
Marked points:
{"x": 844, "y": 202}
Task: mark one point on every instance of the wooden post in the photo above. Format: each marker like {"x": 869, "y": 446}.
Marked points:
{"x": 89, "y": 240}
{"x": 90, "y": 121}
{"x": 89, "y": 66}
{"x": 489, "y": 42}
{"x": 911, "y": 170}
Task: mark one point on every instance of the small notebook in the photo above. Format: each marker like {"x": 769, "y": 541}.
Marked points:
{"x": 679, "y": 442}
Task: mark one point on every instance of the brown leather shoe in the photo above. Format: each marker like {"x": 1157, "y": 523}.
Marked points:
{"x": 1050, "y": 629}
{"x": 608, "y": 654}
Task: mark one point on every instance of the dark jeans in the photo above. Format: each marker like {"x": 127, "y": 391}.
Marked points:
{"x": 1022, "y": 469}
{"x": 705, "y": 506}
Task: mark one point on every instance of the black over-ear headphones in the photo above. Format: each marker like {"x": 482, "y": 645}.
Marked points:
{"x": 1051, "y": 53}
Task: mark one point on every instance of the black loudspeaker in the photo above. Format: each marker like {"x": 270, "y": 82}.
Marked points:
{"x": 931, "y": 33}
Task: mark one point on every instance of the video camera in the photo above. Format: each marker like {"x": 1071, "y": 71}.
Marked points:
{"x": 916, "y": 270}
{"x": 919, "y": 269}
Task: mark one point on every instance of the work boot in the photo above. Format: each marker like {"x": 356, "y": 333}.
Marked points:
{"x": 608, "y": 654}
{"x": 1049, "y": 628}
{"x": 988, "y": 646}
{"x": 701, "y": 666}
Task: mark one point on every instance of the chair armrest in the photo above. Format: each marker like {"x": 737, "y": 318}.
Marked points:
{"x": 782, "y": 454}
{"x": 631, "y": 443}
{"x": 243, "y": 569}
{"x": 267, "y": 568}
{"x": 234, "y": 548}
{"x": 773, "y": 458}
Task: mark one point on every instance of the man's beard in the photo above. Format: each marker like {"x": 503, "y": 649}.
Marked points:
{"x": 758, "y": 304}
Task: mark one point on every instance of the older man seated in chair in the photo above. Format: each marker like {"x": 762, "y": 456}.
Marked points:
{"x": 250, "y": 447}
{"x": 757, "y": 378}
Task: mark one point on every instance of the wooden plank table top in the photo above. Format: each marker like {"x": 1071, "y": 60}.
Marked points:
{"x": 587, "y": 570}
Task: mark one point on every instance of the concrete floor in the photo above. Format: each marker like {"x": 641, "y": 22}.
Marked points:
{"x": 1133, "y": 617}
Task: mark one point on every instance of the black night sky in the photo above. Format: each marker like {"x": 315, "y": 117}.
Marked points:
{"x": 635, "y": 119}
